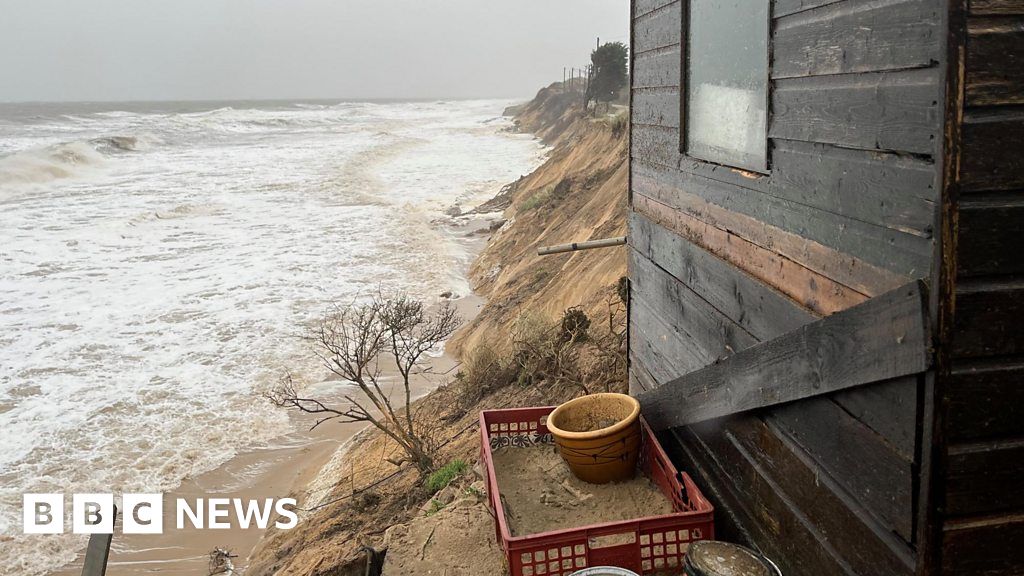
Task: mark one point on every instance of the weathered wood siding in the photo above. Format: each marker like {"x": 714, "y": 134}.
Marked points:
{"x": 721, "y": 259}
{"x": 983, "y": 531}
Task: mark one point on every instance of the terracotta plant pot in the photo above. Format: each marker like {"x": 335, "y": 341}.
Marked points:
{"x": 598, "y": 436}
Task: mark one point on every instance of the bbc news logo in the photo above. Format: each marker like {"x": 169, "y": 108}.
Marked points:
{"x": 144, "y": 513}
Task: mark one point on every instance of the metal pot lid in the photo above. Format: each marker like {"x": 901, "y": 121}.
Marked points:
{"x": 712, "y": 558}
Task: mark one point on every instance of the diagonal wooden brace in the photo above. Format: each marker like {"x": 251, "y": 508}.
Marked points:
{"x": 885, "y": 337}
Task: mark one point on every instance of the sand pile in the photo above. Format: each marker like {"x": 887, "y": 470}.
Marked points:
{"x": 541, "y": 494}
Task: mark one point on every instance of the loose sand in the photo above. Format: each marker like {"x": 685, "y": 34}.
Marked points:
{"x": 541, "y": 494}
{"x": 456, "y": 541}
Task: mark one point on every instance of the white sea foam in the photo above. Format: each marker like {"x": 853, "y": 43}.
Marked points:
{"x": 155, "y": 265}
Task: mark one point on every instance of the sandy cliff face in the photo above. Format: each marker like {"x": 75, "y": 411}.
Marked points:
{"x": 578, "y": 194}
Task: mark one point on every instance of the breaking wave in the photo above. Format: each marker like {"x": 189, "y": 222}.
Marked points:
{"x": 55, "y": 162}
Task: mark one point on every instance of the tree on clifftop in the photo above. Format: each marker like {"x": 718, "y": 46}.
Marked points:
{"x": 609, "y": 74}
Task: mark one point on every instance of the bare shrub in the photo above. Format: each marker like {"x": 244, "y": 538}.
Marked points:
{"x": 352, "y": 342}
{"x": 541, "y": 353}
{"x": 483, "y": 371}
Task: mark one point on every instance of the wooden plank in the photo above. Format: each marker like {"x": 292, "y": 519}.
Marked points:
{"x": 663, "y": 347}
{"x": 657, "y": 106}
{"x": 986, "y": 400}
{"x": 762, "y": 511}
{"x": 995, "y": 7}
{"x": 883, "y": 338}
{"x": 659, "y": 146}
{"x": 655, "y": 145}
{"x": 97, "y": 553}
{"x": 984, "y": 477}
{"x": 840, "y": 519}
{"x": 754, "y": 305}
{"x": 856, "y": 36}
{"x": 640, "y": 378}
{"x": 883, "y": 189}
{"x": 880, "y": 479}
{"x": 657, "y": 29}
{"x": 995, "y": 61}
{"x": 697, "y": 324}
{"x": 889, "y": 409}
{"x": 992, "y": 141}
{"x": 642, "y": 7}
{"x": 810, "y": 289}
{"x": 657, "y": 68}
{"x": 866, "y": 257}
{"x": 984, "y": 547}
{"x": 987, "y": 319}
{"x": 782, "y": 8}
{"x": 896, "y": 111}
{"x": 991, "y": 235}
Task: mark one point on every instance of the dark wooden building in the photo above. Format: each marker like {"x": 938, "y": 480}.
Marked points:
{"x": 803, "y": 174}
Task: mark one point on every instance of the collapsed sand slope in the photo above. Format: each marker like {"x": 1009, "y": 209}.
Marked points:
{"x": 456, "y": 541}
{"x": 578, "y": 194}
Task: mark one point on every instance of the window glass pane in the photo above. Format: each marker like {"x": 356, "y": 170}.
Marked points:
{"x": 727, "y": 82}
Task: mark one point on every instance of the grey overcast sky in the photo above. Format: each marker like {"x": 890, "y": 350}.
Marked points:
{"x": 79, "y": 50}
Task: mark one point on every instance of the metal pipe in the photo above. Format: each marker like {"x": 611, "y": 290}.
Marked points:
{"x": 588, "y": 245}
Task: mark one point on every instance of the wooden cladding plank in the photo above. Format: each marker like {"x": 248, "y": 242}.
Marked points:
{"x": 888, "y": 190}
{"x": 897, "y": 111}
{"x": 640, "y": 378}
{"x": 880, "y": 479}
{"x": 984, "y": 547}
{"x": 992, "y": 141}
{"x": 995, "y": 7}
{"x": 883, "y": 338}
{"x": 658, "y": 29}
{"x": 793, "y": 512}
{"x": 990, "y": 238}
{"x": 657, "y": 106}
{"x": 883, "y": 189}
{"x": 754, "y": 305}
{"x": 661, "y": 345}
{"x": 987, "y": 318}
{"x": 812, "y": 290}
{"x": 678, "y": 306}
{"x": 869, "y": 258}
{"x": 759, "y": 505}
{"x": 642, "y": 7}
{"x": 782, "y": 8}
{"x": 888, "y": 408}
{"x": 986, "y": 400}
{"x": 983, "y": 478}
{"x": 657, "y": 68}
{"x": 823, "y": 502}
{"x": 995, "y": 61}
{"x": 857, "y": 36}
{"x": 656, "y": 145}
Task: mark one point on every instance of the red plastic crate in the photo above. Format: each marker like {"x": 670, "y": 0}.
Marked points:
{"x": 645, "y": 545}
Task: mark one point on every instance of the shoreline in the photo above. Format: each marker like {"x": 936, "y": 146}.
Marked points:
{"x": 289, "y": 467}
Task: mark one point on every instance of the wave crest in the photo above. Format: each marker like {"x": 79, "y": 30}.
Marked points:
{"x": 41, "y": 165}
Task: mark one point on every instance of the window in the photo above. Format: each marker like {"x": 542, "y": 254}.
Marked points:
{"x": 726, "y": 87}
